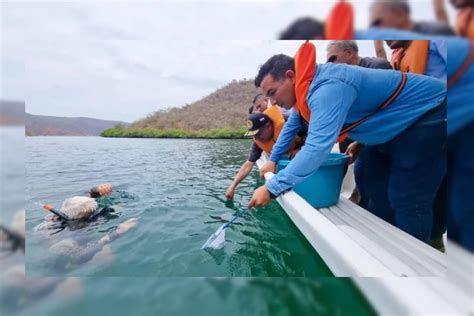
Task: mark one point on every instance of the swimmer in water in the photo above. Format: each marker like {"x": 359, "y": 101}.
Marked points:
{"x": 81, "y": 207}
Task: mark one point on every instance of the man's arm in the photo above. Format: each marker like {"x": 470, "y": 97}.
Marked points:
{"x": 380, "y": 50}
{"x": 285, "y": 139}
{"x": 440, "y": 11}
{"x": 329, "y": 105}
{"x": 244, "y": 171}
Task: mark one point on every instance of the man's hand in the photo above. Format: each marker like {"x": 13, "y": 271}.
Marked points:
{"x": 229, "y": 194}
{"x": 353, "y": 151}
{"x": 269, "y": 166}
{"x": 261, "y": 197}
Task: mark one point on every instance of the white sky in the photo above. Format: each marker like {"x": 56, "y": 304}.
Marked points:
{"x": 123, "y": 60}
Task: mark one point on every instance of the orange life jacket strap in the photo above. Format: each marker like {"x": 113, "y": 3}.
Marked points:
{"x": 278, "y": 121}
{"x": 345, "y": 131}
{"x": 339, "y": 24}
{"x": 305, "y": 68}
{"x": 462, "y": 69}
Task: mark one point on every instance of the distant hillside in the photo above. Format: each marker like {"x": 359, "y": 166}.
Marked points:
{"x": 12, "y": 112}
{"x": 225, "y": 108}
{"x": 39, "y": 125}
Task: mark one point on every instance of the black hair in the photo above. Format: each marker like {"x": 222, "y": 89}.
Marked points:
{"x": 251, "y": 109}
{"x": 94, "y": 193}
{"x": 395, "y": 5}
{"x": 344, "y": 45}
{"x": 276, "y": 66}
{"x": 303, "y": 29}
{"x": 258, "y": 96}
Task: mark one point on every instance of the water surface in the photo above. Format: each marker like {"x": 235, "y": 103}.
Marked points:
{"x": 22, "y": 294}
{"x": 172, "y": 186}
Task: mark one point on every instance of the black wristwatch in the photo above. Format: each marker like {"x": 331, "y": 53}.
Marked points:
{"x": 273, "y": 196}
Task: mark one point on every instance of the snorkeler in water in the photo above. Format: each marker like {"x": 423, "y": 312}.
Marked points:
{"x": 82, "y": 207}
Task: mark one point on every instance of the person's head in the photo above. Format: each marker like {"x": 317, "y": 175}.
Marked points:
{"x": 343, "y": 52}
{"x": 260, "y": 126}
{"x": 276, "y": 78}
{"x": 250, "y": 110}
{"x": 459, "y": 4}
{"x": 390, "y": 14}
{"x": 103, "y": 189}
{"x": 303, "y": 29}
{"x": 397, "y": 44}
{"x": 260, "y": 103}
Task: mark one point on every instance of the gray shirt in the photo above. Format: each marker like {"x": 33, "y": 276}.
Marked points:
{"x": 374, "y": 62}
{"x": 255, "y": 153}
{"x": 433, "y": 28}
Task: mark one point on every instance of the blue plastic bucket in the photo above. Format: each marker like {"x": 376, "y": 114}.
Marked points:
{"x": 323, "y": 187}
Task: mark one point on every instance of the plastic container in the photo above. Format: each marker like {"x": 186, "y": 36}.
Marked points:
{"x": 323, "y": 187}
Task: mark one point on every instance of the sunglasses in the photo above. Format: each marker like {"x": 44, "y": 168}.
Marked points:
{"x": 376, "y": 22}
{"x": 331, "y": 59}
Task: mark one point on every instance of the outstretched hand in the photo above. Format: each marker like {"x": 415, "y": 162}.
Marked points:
{"x": 261, "y": 197}
{"x": 229, "y": 194}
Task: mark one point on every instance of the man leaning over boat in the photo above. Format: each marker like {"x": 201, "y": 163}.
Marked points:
{"x": 260, "y": 105}
{"x": 403, "y": 114}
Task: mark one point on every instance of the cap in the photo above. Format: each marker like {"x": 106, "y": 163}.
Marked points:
{"x": 255, "y": 122}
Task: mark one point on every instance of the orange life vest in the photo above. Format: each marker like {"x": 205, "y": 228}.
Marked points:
{"x": 305, "y": 69}
{"x": 278, "y": 121}
{"x": 465, "y": 23}
{"x": 339, "y": 24}
{"x": 412, "y": 58}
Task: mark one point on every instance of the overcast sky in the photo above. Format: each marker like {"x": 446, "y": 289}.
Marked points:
{"x": 123, "y": 60}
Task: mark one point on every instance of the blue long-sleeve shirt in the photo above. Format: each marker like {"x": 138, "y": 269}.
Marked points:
{"x": 460, "y": 95}
{"x": 343, "y": 94}
{"x": 437, "y": 60}
{"x": 460, "y": 108}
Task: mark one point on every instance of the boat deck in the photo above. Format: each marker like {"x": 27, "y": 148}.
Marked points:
{"x": 396, "y": 272}
{"x": 399, "y": 252}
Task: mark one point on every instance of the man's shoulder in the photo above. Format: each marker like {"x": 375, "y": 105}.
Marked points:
{"x": 375, "y": 62}
{"x": 330, "y": 70}
{"x": 255, "y": 148}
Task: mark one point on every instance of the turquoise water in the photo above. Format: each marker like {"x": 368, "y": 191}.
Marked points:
{"x": 266, "y": 244}
{"x": 214, "y": 296}
{"x": 172, "y": 186}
